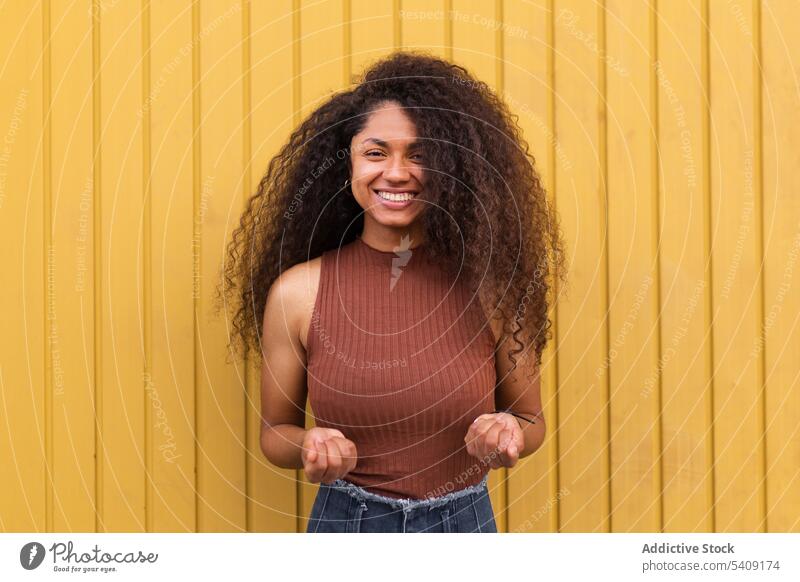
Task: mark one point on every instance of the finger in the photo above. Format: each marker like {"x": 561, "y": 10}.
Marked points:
{"x": 481, "y": 450}
{"x": 346, "y": 448}
{"x": 476, "y": 432}
{"x": 506, "y": 438}
{"x": 470, "y": 437}
{"x": 483, "y": 417}
{"x": 483, "y": 424}
{"x": 311, "y": 452}
{"x": 480, "y": 424}
{"x": 495, "y": 459}
{"x": 496, "y": 440}
{"x": 517, "y": 444}
{"x": 512, "y": 455}
{"x": 492, "y": 459}
{"x": 339, "y": 452}
{"x": 492, "y": 438}
{"x": 519, "y": 440}
{"x": 334, "y": 462}
{"x": 321, "y": 464}
{"x": 349, "y": 453}
{"x": 351, "y": 458}
{"x": 474, "y": 438}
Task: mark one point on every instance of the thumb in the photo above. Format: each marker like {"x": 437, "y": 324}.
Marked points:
{"x": 312, "y": 454}
{"x": 313, "y": 451}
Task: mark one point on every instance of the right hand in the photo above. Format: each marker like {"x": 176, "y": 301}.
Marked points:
{"x": 327, "y": 455}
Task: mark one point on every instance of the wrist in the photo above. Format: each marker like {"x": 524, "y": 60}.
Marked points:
{"x": 519, "y": 417}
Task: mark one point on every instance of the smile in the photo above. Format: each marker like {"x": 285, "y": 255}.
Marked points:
{"x": 394, "y": 200}
{"x": 396, "y": 196}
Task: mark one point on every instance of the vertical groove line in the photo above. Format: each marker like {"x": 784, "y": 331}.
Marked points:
{"x": 498, "y": 46}
{"x": 555, "y": 479}
{"x": 603, "y": 150}
{"x": 97, "y": 229}
{"x": 448, "y": 29}
{"x": 246, "y": 157}
{"x": 196, "y": 145}
{"x": 49, "y": 268}
{"x": 709, "y": 296}
{"x": 346, "y": 42}
{"x": 499, "y": 60}
{"x": 147, "y": 263}
{"x": 758, "y": 183}
{"x": 296, "y": 103}
{"x": 655, "y": 178}
{"x": 397, "y": 24}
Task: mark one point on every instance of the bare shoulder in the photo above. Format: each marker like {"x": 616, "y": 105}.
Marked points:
{"x": 292, "y": 296}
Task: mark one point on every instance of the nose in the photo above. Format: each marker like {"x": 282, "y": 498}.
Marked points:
{"x": 397, "y": 170}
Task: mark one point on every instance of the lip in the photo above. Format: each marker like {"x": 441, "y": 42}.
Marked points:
{"x": 395, "y": 190}
{"x": 391, "y": 204}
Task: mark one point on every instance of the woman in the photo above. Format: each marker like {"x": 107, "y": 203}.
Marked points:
{"x": 393, "y": 269}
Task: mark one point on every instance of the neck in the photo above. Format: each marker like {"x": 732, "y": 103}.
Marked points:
{"x": 388, "y": 238}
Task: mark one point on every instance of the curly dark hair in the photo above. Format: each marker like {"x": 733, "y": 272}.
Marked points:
{"x": 488, "y": 215}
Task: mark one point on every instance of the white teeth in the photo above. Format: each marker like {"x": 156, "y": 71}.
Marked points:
{"x": 395, "y": 196}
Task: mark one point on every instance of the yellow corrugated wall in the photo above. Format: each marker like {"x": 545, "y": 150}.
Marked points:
{"x": 666, "y": 131}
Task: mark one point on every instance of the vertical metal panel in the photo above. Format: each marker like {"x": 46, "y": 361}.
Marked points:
{"x": 221, "y": 445}
{"x": 26, "y": 345}
{"x": 324, "y": 68}
{"x": 170, "y": 386}
{"x": 633, "y": 269}
{"x": 272, "y": 491}
{"x": 683, "y": 365}
{"x": 780, "y": 115}
{"x": 134, "y": 132}
{"x": 736, "y": 265}
{"x": 71, "y": 266}
{"x": 582, "y": 311}
{"x": 477, "y": 45}
{"x": 533, "y": 488}
{"x": 121, "y": 196}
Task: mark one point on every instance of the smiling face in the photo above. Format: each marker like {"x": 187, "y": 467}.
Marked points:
{"x": 387, "y": 168}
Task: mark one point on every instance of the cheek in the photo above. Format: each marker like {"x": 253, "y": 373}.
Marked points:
{"x": 420, "y": 176}
{"x": 364, "y": 173}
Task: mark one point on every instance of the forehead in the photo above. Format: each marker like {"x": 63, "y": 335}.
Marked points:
{"x": 389, "y": 121}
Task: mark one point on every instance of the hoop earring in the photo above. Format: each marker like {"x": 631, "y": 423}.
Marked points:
{"x": 346, "y": 184}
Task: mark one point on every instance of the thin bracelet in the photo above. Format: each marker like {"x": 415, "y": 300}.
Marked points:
{"x": 517, "y": 415}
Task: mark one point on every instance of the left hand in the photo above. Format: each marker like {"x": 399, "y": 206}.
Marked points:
{"x": 496, "y": 438}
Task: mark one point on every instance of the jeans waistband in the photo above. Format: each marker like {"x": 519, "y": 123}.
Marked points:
{"x": 407, "y": 504}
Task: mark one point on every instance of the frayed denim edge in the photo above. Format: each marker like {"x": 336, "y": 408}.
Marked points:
{"x": 363, "y": 495}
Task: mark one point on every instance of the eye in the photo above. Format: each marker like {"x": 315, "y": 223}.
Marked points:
{"x": 373, "y": 153}
{"x": 417, "y": 156}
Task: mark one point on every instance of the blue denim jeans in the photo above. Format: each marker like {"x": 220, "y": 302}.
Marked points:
{"x": 343, "y": 507}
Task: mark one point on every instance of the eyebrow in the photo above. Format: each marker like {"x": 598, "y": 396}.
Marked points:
{"x": 381, "y": 143}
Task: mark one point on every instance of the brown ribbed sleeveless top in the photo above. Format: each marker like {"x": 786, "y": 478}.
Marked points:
{"x": 401, "y": 360}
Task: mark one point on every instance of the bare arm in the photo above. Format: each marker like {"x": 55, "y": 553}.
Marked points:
{"x": 283, "y": 371}
{"x": 519, "y": 393}
{"x": 325, "y": 454}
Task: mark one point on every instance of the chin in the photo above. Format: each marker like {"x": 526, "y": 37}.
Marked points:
{"x": 396, "y": 220}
